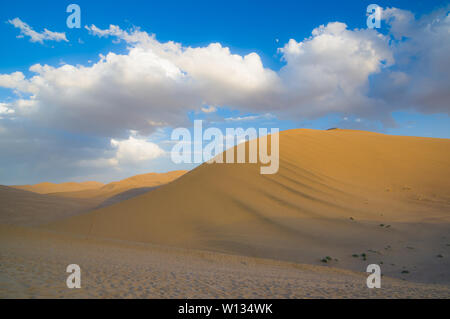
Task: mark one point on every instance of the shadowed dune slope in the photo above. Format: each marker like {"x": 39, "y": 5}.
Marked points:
{"x": 128, "y": 194}
{"x": 20, "y": 207}
{"x": 333, "y": 191}
{"x": 127, "y": 185}
{"x": 30, "y": 208}
{"x": 47, "y": 188}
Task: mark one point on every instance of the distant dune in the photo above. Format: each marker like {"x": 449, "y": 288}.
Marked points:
{"x": 46, "y": 202}
{"x": 47, "y": 188}
{"x": 354, "y": 196}
{"x": 135, "y": 182}
{"x": 20, "y": 207}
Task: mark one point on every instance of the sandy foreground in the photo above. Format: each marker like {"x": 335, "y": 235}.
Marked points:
{"x": 33, "y": 265}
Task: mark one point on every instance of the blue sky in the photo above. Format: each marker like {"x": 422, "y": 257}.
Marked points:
{"x": 48, "y": 132}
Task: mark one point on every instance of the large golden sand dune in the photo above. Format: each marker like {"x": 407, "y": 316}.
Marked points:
{"x": 354, "y": 196}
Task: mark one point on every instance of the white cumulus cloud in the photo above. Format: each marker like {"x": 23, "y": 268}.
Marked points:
{"x": 421, "y": 77}
{"x": 5, "y": 110}
{"x": 135, "y": 150}
{"x": 329, "y": 71}
{"x": 46, "y": 35}
{"x": 132, "y": 152}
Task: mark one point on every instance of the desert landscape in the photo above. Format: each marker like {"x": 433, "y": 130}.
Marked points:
{"x": 341, "y": 200}
{"x": 252, "y": 151}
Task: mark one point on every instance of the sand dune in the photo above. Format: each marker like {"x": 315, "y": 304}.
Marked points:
{"x": 338, "y": 193}
{"x": 35, "y": 206}
{"x": 47, "y": 188}
{"x": 20, "y": 207}
{"x": 128, "y": 184}
{"x": 128, "y": 194}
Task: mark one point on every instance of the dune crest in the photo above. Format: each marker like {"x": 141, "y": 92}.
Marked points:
{"x": 48, "y": 188}
{"x": 142, "y": 181}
